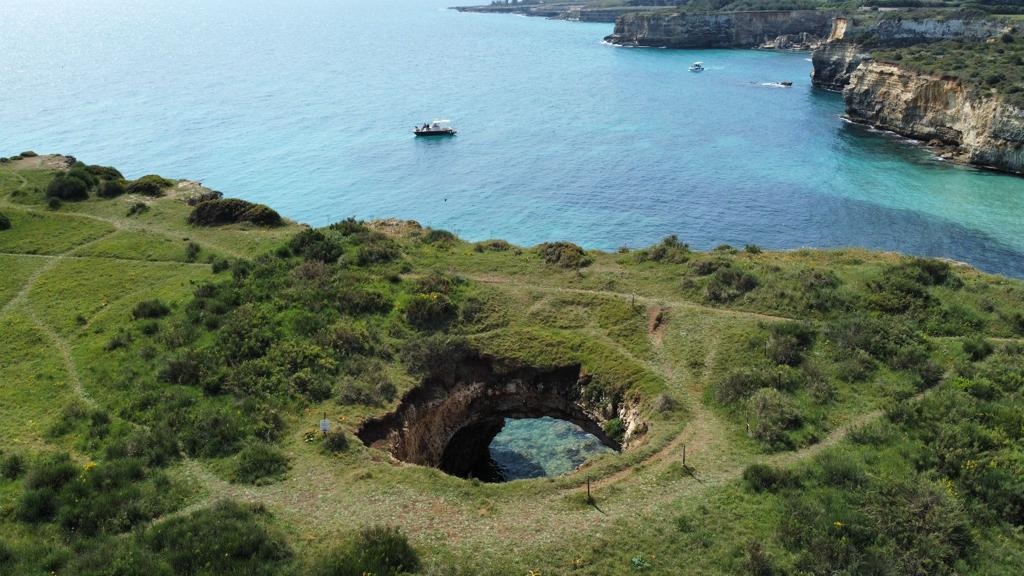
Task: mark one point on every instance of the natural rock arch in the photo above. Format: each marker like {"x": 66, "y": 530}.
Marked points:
{"x": 448, "y": 421}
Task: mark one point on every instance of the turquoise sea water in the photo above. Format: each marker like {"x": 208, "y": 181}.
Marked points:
{"x": 307, "y": 105}
{"x": 535, "y": 447}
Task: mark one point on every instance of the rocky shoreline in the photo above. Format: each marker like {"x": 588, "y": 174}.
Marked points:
{"x": 960, "y": 123}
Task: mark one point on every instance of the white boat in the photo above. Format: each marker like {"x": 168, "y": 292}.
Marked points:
{"x": 697, "y": 67}
{"x": 435, "y": 128}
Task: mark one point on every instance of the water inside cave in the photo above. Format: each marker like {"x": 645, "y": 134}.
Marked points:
{"x": 536, "y": 447}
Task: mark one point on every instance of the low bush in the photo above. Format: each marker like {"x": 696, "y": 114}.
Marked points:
{"x": 137, "y": 208}
{"x": 977, "y": 348}
{"x": 787, "y": 342}
{"x": 492, "y": 246}
{"x": 104, "y": 172}
{"x": 37, "y": 505}
{"x": 335, "y": 441}
{"x": 433, "y": 236}
{"x": 28, "y": 154}
{"x": 315, "y": 245}
{"x": 765, "y": 478}
{"x": 12, "y": 466}
{"x": 260, "y": 463}
{"x": 111, "y": 189}
{"x": 670, "y": 251}
{"x": 377, "y": 550}
{"x": 52, "y": 472}
{"x": 227, "y": 538}
{"x": 149, "y": 185}
{"x": 224, "y": 211}
{"x": 69, "y": 187}
{"x": 564, "y": 255}
{"x": 430, "y": 311}
{"x": 615, "y": 429}
{"x": 375, "y": 391}
{"x": 5, "y": 222}
{"x": 150, "y": 309}
{"x": 729, "y": 283}
{"x": 773, "y": 414}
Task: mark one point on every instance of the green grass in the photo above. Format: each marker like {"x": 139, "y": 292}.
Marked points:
{"x": 651, "y": 515}
{"x": 49, "y": 232}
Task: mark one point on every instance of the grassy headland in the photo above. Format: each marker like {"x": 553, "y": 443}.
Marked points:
{"x": 167, "y": 354}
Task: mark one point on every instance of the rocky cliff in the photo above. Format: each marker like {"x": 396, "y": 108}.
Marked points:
{"x": 850, "y": 41}
{"x": 720, "y": 30}
{"x": 975, "y": 125}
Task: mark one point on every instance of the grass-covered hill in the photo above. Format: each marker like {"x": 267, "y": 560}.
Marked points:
{"x": 167, "y": 354}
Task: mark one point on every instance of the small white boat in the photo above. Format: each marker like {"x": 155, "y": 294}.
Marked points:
{"x": 697, "y": 67}
{"x": 435, "y": 128}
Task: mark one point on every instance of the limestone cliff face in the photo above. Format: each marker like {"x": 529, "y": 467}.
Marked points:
{"x": 850, "y": 41}
{"x": 721, "y": 30}
{"x": 982, "y": 127}
{"x": 834, "y": 62}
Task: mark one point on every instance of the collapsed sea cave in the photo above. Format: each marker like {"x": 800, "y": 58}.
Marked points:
{"x": 449, "y": 420}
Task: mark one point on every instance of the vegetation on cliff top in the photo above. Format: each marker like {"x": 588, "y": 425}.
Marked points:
{"x": 997, "y": 65}
{"x": 157, "y": 373}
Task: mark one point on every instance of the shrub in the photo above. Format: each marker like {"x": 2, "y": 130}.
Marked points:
{"x": 192, "y": 251}
{"x": 28, "y": 154}
{"x": 615, "y": 429}
{"x": 219, "y": 265}
{"x": 52, "y": 472}
{"x": 376, "y": 392}
{"x": 335, "y": 441}
{"x": 438, "y": 237}
{"x": 315, "y": 245}
{"x": 752, "y": 249}
{"x": 111, "y": 189}
{"x": 707, "y": 266}
{"x": 377, "y": 550}
{"x": 137, "y": 208}
{"x": 150, "y": 309}
{"x": 787, "y": 342}
{"x": 376, "y": 251}
{"x": 773, "y": 415}
{"x": 492, "y": 246}
{"x": 54, "y": 204}
{"x": 977, "y": 348}
{"x": 213, "y": 430}
{"x": 428, "y": 311}
{"x": 670, "y": 250}
{"x": 223, "y": 211}
{"x": 564, "y": 255}
{"x": 729, "y": 283}
{"x": 435, "y": 355}
{"x": 765, "y": 478}
{"x": 260, "y": 463}
{"x": 12, "y": 466}
{"x": 68, "y": 187}
{"x": 104, "y": 172}
{"x": 37, "y": 505}
{"x": 149, "y": 185}
{"x": 837, "y": 468}
{"x": 227, "y": 538}
{"x": 5, "y": 222}
{"x": 739, "y": 384}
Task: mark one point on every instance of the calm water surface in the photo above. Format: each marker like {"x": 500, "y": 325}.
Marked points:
{"x": 307, "y": 105}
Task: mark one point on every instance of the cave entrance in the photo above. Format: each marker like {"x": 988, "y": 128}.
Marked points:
{"x": 480, "y": 419}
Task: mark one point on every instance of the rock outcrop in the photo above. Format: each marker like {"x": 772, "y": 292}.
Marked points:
{"x": 851, "y": 39}
{"x": 448, "y": 421}
{"x": 716, "y": 30}
{"x": 974, "y": 124}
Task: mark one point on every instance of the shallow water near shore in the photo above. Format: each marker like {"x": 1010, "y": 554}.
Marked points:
{"x": 308, "y": 106}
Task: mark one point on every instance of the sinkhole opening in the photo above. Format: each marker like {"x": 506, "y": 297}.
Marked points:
{"x": 484, "y": 419}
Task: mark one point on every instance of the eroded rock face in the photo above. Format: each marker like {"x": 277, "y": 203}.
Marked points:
{"x": 977, "y": 123}
{"x": 721, "y": 30}
{"x": 448, "y": 421}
